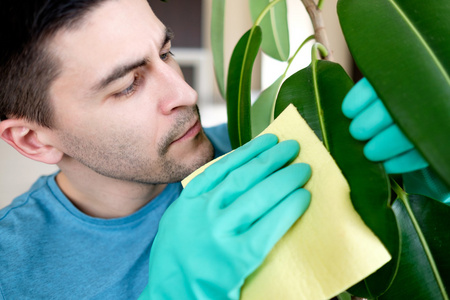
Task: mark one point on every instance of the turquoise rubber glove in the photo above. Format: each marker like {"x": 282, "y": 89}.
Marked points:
{"x": 226, "y": 221}
{"x": 426, "y": 182}
{"x": 371, "y": 121}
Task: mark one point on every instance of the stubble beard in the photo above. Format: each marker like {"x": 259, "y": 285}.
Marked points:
{"x": 125, "y": 162}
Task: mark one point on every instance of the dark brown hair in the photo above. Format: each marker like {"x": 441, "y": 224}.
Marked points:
{"x": 26, "y": 67}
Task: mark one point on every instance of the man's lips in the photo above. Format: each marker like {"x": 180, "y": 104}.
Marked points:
{"x": 191, "y": 132}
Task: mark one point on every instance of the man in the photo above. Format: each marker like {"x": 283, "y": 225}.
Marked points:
{"x": 91, "y": 85}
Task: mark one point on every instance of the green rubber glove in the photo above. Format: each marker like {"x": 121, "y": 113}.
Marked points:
{"x": 226, "y": 221}
{"x": 371, "y": 121}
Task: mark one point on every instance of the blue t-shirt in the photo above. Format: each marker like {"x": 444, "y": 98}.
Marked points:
{"x": 51, "y": 250}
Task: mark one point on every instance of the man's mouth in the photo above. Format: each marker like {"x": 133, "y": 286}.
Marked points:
{"x": 190, "y": 133}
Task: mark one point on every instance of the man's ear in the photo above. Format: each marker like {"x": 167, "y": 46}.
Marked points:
{"x": 24, "y": 136}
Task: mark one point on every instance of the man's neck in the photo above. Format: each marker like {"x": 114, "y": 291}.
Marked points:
{"x": 102, "y": 197}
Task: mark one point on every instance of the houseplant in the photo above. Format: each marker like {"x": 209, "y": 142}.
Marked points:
{"x": 401, "y": 47}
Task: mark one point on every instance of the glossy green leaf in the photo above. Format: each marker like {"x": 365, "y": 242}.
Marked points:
{"x": 299, "y": 90}
{"x": 239, "y": 87}
{"x": 322, "y": 88}
{"x": 274, "y": 28}
{"x": 344, "y": 296}
{"x": 402, "y": 47}
{"x": 424, "y": 255}
{"x": 262, "y": 109}
{"x": 217, "y": 42}
{"x": 433, "y": 218}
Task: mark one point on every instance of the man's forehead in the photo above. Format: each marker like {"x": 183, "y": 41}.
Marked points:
{"x": 114, "y": 33}
{"x": 115, "y": 22}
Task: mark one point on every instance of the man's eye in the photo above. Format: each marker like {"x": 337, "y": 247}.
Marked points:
{"x": 166, "y": 56}
{"x": 132, "y": 88}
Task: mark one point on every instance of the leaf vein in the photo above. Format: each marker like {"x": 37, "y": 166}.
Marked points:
{"x": 422, "y": 40}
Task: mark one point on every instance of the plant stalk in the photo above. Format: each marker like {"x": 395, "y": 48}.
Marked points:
{"x": 290, "y": 60}
{"x": 315, "y": 13}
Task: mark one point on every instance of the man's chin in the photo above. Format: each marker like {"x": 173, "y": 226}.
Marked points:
{"x": 203, "y": 156}
{"x": 192, "y": 160}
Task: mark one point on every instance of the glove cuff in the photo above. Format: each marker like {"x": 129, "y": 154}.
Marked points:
{"x": 425, "y": 182}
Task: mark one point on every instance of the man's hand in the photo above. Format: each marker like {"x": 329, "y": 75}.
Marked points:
{"x": 372, "y": 122}
{"x": 226, "y": 221}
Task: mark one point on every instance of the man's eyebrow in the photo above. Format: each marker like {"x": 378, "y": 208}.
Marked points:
{"x": 169, "y": 36}
{"x": 123, "y": 70}
{"x": 119, "y": 72}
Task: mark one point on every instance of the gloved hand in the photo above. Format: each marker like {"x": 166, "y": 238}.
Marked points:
{"x": 226, "y": 221}
{"x": 373, "y": 122}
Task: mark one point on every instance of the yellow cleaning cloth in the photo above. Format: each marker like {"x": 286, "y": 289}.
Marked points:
{"x": 329, "y": 248}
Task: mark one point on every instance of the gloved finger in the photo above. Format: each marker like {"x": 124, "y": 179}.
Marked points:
{"x": 407, "y": 162}
{"x": 215, "y": 173}
{"x": 358, "y": 98}
{"x": 387, "y": 144}
{"x": 269, "y": 229}
{"x": 371, "y": 121}
{"x": 240, "y": 180}
{"x": 265, "y": 195}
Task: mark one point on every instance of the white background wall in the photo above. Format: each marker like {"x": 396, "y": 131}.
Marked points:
{"x": 17, "y": 173}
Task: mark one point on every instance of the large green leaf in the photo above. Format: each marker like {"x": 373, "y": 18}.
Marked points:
{"x": 239, "y": 87}
{"x": 433, "y": 218}
{"x": 424, "y": 255}
{"x": 274, "y": 28}
{"x": 299, "y": 90}
{"x": 262, "y": 109}
{"x": 217, "y": 42}
{"x": 402, "y": 47}
{"x": 318, "y": 91}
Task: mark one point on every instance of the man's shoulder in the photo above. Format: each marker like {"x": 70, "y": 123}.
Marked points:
{"x": 218, "y": 135}
{"x": 21, "y": 225}
{"x": 27, "y": 201}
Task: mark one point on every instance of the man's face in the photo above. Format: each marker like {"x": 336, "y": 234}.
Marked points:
{"x": 122, "y": 107}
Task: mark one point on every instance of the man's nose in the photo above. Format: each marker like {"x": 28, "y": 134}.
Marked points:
{"x": 174, "y": 91}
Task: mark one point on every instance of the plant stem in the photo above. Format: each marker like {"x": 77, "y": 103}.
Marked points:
{"x": 290, "y": 60}
{"x": 320, "y": 33}
{"x": 320, "y": 4}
